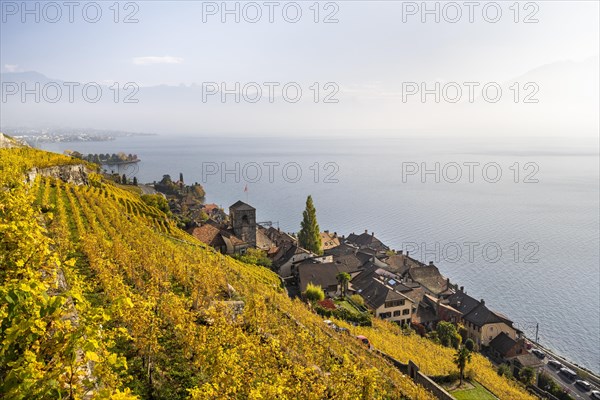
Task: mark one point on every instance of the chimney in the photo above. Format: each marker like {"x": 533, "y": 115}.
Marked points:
{"x": 327, "y": 231}
{"x": 366, "y": 231}
{"x": 430, "y": 262}
{"x": 482, "y": 302}
{"x": 407, "y": 253}
{"x": 462, "y": 289}
{"x": 372, "y": 233}
{"x": 400, "y": 252}
{"x": 335, "y": 234}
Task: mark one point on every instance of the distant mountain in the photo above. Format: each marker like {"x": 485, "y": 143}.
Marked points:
{"x": 567, "y": 94}
{"x": 28, "y": 76}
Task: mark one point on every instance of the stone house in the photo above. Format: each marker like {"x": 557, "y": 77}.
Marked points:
{"x": 385, "y": 295}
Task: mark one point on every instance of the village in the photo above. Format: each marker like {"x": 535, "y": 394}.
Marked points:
{"x": 361, "y": 277}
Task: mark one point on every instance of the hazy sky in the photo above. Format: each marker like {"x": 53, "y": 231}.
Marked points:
{"x": 372, "y": 49}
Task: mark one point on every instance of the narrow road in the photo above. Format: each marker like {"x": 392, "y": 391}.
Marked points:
{"x": 567, "y": 384}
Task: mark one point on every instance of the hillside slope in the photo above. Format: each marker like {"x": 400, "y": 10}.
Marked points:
{"x": 101, "y": 296}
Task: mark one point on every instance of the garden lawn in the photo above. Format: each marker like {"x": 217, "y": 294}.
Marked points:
{"x": 476, "y": 393}
{"x": 347, "y": 305}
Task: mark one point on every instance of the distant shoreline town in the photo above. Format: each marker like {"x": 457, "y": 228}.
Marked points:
{"x": 33, "y": 137}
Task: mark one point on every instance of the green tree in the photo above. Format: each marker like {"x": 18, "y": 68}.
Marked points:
{"x": 309, "y": 236}
{"x": 461, "y": 359}
{"x": 314, "y": 293}
{"x": 343, "y": 278}
{"x": 448, "y": 334}
{"x": 527, "y": 375}
{"x": 470, "y": 344}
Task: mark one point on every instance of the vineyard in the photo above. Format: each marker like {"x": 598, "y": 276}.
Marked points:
{"x": 103, "y": 297}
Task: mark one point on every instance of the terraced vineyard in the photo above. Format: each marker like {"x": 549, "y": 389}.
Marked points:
{"x": 101, "y": 296}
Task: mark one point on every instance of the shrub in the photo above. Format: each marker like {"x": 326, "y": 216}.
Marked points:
{"x": 314, "y": 293}
{"x": 470, "y": 344}
{"x": 450, "y": 378}
{"x": 527, "y": 375}
{"x": 254, "y": 256}
{"x": 504, "y": 370}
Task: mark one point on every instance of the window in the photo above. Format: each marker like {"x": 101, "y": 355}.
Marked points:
{"x": 406, "y": 311}
{"x": 395, "y": 303}
{"x": 385, "y": 315}
{"x": 397, "y": 313}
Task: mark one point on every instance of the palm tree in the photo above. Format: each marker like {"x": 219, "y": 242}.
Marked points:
{"x": 461, "y": 359}
{"x": 343, "y": 278}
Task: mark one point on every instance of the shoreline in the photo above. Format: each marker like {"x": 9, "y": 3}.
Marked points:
{"x": 591, "y": 376}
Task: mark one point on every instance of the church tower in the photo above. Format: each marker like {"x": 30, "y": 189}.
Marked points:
{"x": 243, "y": 221}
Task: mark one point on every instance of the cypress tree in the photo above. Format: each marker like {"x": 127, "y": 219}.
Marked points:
{"x": 309, "y": 236}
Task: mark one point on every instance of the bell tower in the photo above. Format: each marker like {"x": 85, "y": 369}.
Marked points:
{"x": 243, "y": 221}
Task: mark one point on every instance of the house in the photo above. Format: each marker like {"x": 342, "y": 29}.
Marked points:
{"x": 279, "y": 238}
{"x": 287, "y": 257}
{"x": 503, "y": 347}
{"x": 526, "y": 360}
{"x": 221, "y": 239}
{"x": 384, "y": 295}
{"x": 214, "y": 212}
{"x": 351, "y": 258}
{"x": 367, "y": 241}
{"x": 342, "y": 249}
{"x": 351, "y": 262}
{"x": 431, "y": 279}
{"x": 436, "y": 309}
{"x": 482, "y": 324}
{"x": 211, "y": 235}
{"x": 329, "y": 240}
{"x": 263, "y": 241}
{"x": 400, "y": 263}
{"x": 319, "y": 274}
